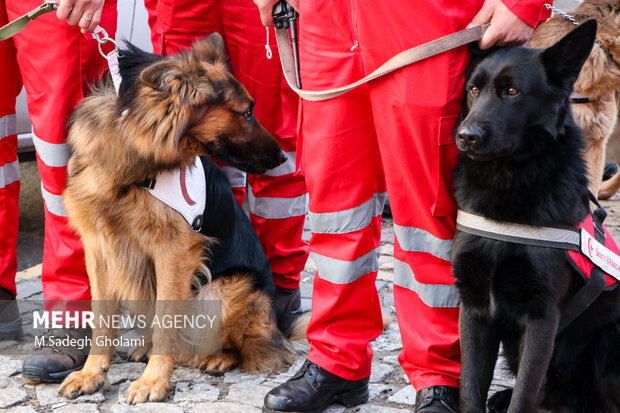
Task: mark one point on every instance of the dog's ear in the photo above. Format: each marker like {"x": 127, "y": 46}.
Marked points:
{"x": 153, "y": 75}
{"x": 211, "y": 49}
{"x": 563, "y": 61}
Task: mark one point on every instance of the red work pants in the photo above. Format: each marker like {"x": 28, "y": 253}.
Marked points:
{"x": 55, "y": 62}
{"x": 395, "y": 134}
{"x": 278, "y": 199}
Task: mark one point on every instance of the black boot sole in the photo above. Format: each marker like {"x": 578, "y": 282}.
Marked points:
{"x": 348, "y": 399}
{"x": 38, "y": 374}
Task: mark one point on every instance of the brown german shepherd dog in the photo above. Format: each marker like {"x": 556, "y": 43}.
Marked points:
{"x": 598, "y": 80}
{"x": 169, "y": 110}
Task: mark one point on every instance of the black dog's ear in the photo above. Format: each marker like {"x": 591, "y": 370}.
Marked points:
{"x": 563, "y": 61}
{"x": 477, "y": 52}
{"x": 211, "y": 49}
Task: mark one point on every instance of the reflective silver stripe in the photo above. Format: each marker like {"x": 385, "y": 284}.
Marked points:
{"x": 344, "y": 272}
{"x": 277, "y": 208}
{"x": 349, "y": 220}
{"x": 286, "y": 168}
{"x": 511, "y": 230}
{"x": 53, "y": 203}
{"x": 52, "y": 154}
{"x": 236, "y": 177}
{"x": 433, "y": 295}
{"x": 8, "y": 125}
{"x": 9, "y": 173}
{"x": 418, "y": 240}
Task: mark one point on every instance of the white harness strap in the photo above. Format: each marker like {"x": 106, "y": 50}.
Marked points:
{"x": 575, "y": 239}
{"x": 523, "y": 234}
{"x": 184, "y": 190}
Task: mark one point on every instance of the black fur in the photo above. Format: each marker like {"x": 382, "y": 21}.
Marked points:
{"x": 238, "y": 249}
{"x": 521, "y": 162}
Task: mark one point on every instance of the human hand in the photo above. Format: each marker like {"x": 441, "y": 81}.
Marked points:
{"x": 506, "y": 28}
{"x": 85, "y": 13}
{"x": 265, "y": 7}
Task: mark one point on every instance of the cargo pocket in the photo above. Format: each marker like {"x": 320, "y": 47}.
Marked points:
{"x": 445, "y": 160}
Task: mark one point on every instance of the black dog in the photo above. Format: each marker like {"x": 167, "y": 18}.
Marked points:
{"x": 520, "y": 162}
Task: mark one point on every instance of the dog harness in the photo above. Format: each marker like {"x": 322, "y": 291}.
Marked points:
{"x": 184, "y": 190}
{"x": 591, "y": 250}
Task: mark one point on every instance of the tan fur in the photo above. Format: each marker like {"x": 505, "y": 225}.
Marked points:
{"x": 138, "y": 248}
{"x": 612, "y": 185}
{"x": 598, "y": 80}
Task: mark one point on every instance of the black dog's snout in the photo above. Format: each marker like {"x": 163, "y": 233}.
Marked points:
{"x": 470, "y": 135}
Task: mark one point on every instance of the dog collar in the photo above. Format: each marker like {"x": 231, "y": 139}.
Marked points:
{"x": 579, "y": 98}
{"x": 183, "y": 190}
{"x": 576, "y": 239}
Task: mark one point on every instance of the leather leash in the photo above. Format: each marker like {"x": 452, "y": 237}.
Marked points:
{"x": 17, "y": 25}
{"x": 402, "y": 59}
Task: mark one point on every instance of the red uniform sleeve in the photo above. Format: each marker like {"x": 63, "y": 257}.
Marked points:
{"x": 530, "y": 11}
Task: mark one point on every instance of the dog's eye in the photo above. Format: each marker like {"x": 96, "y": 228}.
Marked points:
{"x": 474, "y": 91}
{"x": 511, "y": 91}
{"x": 248, "y": 115}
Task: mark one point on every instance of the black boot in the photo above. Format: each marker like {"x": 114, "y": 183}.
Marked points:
{"x": 312, "y": 389}
{"x": 287, "y": 303}
{"x": 53, "y": 361}
{"x": 10, "y": 319}
{"x": 437, "y": 399}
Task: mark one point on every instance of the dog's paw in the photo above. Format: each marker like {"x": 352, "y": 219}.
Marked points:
{"x": 218, "y": 364}
{"x": 81, "y": 382}
{"x": 499, "y": 402}
{"x": 143, "y": 390}
{"x": 140, "y": 353}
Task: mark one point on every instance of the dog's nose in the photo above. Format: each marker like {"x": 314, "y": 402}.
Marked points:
{"x": 282, "y": 157}
{"x": 470, "y": 135}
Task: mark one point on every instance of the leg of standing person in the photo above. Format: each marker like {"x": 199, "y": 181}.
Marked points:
{"x": 56, "y": 63}
{"x": 10, "y": 86}
{"x": 345, "y": 181}
{"x": 415, "y": 111}
{"x": 277, "y": 200}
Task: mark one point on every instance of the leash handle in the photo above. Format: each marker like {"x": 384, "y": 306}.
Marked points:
{"x": 11, "y": 29}
{"x": 402, "y": 59}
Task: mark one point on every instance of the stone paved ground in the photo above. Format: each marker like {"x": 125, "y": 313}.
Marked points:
{"x": 236, "y": 391}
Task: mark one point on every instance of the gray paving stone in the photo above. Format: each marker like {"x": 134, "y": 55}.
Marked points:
{"x": 368, "y": 408}
{"x": 386, "y": 262}
{"x": 22, "y": 409}
{"x": 306, "y": 305}
{"x": 47, "y": 394}
{"x": 119, "y": 373}
{"x": 405, "y": 396}
{"x": 238, "y": 376}
{"x": 201, "y": 392}
{"x": 385, "y": 275}
{"x": 379, "y": 372}
{"x": 306, "y": 290}
{"x": 247, "y": 393}
{"x": 387, "y": 249}
{"x": 9, "y": 367}
{"x": 11, "y": 396}
{"x": 392, "y": 359}
{"x": 190, "y": 375}
{"x": 148, "y": 408}
{"x": 380, "y": 285}
{"x": 27, "y": 289}
{"x": 78, "y": 408}
{"x": 376, "y": 390}
{"x": 282, "y": 377}
{"x": 334, "y": 408}
{"x": 222, "y": 407}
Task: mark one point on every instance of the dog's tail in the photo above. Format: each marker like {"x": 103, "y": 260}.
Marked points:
{"x": 299, "y": 340}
